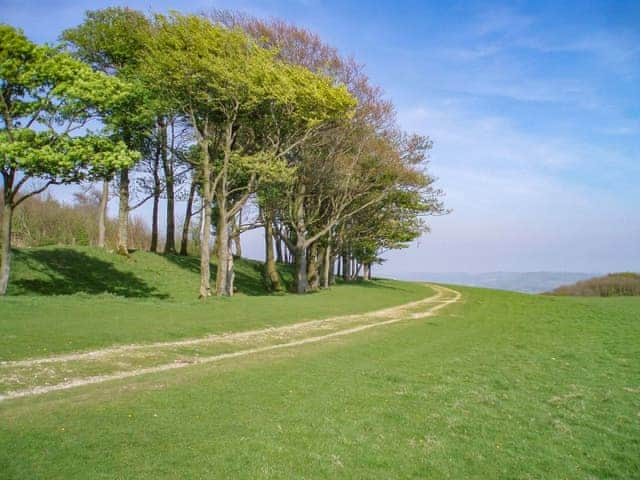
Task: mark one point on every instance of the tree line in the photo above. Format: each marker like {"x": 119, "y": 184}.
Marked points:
{"x": 253, "y": 123}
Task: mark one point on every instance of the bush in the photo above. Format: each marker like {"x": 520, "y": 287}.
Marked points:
{"x": 612, "y": 285}
{"x": 43, "y": 220}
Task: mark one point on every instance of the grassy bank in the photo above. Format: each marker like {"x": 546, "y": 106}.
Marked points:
{"x": 70, "y": 299}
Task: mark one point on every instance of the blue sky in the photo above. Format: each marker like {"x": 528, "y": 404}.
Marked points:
{"x": 533, "y": 107}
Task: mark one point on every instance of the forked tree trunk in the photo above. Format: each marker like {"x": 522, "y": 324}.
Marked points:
{"x": 102, "y": 214}
{"x": 123, "y": 214}
{"x": 271, "y": 271}
{"x": 184, "y": 244}
{"x": 5, "y": 255}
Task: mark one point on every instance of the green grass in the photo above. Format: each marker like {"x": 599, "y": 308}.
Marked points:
{"x": 150, "y": 297}
{"x": 503, "y": 385}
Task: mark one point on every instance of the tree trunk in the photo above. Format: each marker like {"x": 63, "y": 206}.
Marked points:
{"x": 369, "y": 272}
{"x": 327, "y": 263}
{"x": 123, "y": 214}
{"x": 153, "y": 247}
{"x": 346, "y": 267}
{"x": 236, "y": 234}
{"x": 184, "y": 244}
{"x": 205, "y": 252}
{"x": 278, "y": 244}
{"x": 332, "y": 271}
{"x": 365, "y": 271}
{"x": 5, "y": 256}
{"x": 300, "y": 254}
{"x": 224, "y": 275}
{"x": 102, "y": 214}
{"x": 167, "y": 165}
{"x": 313, "y": 278}
{"x": 156, "y": 201}
{"x": 271, "y": 271}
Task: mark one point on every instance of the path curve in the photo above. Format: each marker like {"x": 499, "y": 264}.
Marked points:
{"x": 391, "y": 315}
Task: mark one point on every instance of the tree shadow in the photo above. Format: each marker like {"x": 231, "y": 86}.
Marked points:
{"x": 249, "y": 274}
{"x": 63, "y": 271}
{"x": 374, "y": 283}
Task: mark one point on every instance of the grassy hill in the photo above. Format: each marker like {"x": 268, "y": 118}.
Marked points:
{"x": 64, "y": 299}
{"x": 498, "y": 385}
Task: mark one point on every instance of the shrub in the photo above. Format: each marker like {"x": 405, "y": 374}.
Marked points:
{"x": 611, "y": 285}
{"x": 43, "y": 220}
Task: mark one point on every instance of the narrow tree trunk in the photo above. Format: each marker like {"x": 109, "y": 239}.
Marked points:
{"x": 332, "y": 271}
{"x": 300, "y": 254}
{"x": 5, "y": 255}
{"x": 184, "y": 244}
{"x": 327, "y": 263}
{"x": 271, "y": 271}
{"x": 225, "y": 259}
{"x": 369, "y": 272}
{"x": 205, "y": 252}
{"x": 346, "y": 267}
{"x": 167, "y": 165}
{"x": 278, "y": 244}
{"x": 236, "y": 234}
{"x": 365, "y": 271}
{"x": 156, "y": 201}
{"x": 123, "y": 214}
{"x": 153, "y": 247}
{"x": 102, "y": 214}
{"x": 224, "y": 275}
{"x": 313, "y": 277}
{"x": 356, "y": 269}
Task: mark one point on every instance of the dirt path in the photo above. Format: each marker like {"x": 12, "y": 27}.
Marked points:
{"x": 48, "y": 374}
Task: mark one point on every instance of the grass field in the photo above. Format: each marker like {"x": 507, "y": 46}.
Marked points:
{"x": 69, "y": 299}
{"x": 499, "y": 385}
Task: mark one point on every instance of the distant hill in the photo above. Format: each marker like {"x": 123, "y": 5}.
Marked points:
{"x": 527, "y": 282}
{"x": 612, "y": 285}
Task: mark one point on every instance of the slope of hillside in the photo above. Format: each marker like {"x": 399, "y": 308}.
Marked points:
{"x": 64, "y": 299}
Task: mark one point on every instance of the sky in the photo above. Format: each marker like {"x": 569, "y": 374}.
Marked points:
{"x": 533, "y": 108}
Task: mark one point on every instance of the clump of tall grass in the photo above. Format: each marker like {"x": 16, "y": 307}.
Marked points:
{"x": 611, "y": 285}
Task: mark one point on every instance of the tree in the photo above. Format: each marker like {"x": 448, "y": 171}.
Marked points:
{"x": 228, "y": 87}
{"x": 48, "y": 101}
{"x": 112, "y": 41}
{"x": 342, "y": 170}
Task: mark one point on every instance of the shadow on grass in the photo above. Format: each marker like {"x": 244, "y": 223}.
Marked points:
{"x": 376, "y": 283}
{"x": 63, "y": 271}
{"x": 249, "y": 274}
